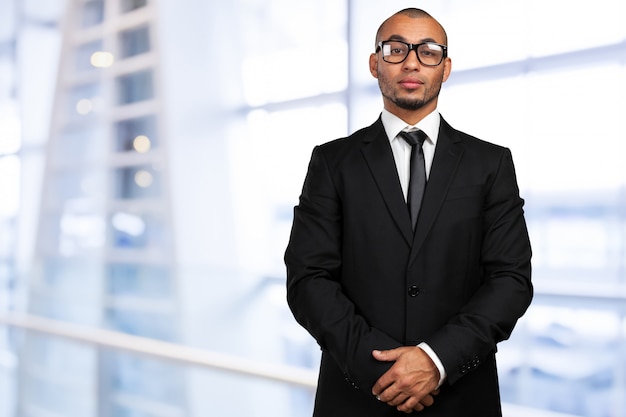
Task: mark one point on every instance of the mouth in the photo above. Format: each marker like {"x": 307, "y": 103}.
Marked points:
{"x": 411, "y": 83}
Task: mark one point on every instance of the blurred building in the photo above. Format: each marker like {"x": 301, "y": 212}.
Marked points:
{"x": 151, "y": 152}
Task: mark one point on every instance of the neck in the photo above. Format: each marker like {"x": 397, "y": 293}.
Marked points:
{"x": 411, "y": 117}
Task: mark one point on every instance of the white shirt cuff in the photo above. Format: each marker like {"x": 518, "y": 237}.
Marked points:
{"x": 436, "y": 360}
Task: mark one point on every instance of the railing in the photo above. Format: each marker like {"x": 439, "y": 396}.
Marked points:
{"x": 163, "y": 350}
{"x": 196, "y": 357}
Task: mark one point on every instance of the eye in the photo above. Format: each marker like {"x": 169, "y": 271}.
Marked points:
{"x": 429, "y": 50}
{"x": 394, "y": 49}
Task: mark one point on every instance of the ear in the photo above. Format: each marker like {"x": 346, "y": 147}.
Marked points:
{"x": 447, "y": 68}
{"x": 374, "y": 65}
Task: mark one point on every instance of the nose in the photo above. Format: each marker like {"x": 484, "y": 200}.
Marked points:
{"x": 411, "y": 61}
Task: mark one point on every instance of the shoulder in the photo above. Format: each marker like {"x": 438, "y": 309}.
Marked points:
{"x": 360, "y": 136}
{"x": 345, "y": 147}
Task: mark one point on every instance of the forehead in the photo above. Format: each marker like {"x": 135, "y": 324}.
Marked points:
{"x": 412, "y": 30}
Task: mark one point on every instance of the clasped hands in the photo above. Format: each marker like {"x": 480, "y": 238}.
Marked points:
{"x": 411, "y": 383}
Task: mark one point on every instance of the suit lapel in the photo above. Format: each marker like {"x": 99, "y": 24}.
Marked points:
{"x": 445, "y": 163}
{"x": 377, "y": 153}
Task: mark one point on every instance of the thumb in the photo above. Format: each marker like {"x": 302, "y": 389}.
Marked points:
{"x": 385, "y": 355}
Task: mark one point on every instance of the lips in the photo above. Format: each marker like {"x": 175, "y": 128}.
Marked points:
{"x": 411, "y": 83}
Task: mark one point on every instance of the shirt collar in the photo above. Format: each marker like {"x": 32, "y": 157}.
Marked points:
{"x": 429, "y": 125}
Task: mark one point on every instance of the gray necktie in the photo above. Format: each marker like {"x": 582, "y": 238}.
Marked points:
{"x": 417, "y": 180}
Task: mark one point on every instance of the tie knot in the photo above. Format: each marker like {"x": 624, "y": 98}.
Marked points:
{"x": 414, "y": 137}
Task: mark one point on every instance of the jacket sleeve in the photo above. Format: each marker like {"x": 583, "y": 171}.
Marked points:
{"x": 505, "y": 291}
{"x": 314, "y": 290}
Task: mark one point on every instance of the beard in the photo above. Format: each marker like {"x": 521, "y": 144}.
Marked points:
{"x": 408, "y": 103}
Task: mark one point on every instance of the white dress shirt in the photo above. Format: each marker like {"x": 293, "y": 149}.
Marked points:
{"x": 402, "y": 150}
{"x": 402, "y": 155}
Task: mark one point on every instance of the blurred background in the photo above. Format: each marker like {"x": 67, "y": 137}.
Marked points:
{"x": 151, "y": 152}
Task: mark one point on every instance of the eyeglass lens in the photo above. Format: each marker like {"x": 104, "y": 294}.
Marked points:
{"x": 427, "y": 53}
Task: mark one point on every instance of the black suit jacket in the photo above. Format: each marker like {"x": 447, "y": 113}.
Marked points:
{"x": 359, "y": 278}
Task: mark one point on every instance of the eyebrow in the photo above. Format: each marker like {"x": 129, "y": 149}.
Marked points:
{"x": 403, "y": 39}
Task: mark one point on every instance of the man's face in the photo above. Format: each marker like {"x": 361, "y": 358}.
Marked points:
{"x": 410, "y": 87}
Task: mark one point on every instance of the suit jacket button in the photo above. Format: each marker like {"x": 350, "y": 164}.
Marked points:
{"x": 414, "y": 291}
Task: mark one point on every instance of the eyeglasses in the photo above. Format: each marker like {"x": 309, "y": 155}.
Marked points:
{"x": 429, "y": 54}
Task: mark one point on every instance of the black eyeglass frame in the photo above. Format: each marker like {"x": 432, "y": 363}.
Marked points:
{"x": 413, "y": 47}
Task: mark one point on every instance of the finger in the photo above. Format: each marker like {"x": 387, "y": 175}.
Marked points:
{"x": 435, "y": 392}
{"x": 427, "y": 401}
{"x": 384, "y": 382}
{"x": 418, "y": 407}
{"x": 410, "y": 405}
{"x": 385, "y": 355}
{"x": 382, "y": 385}
{"x": 399, "y": 399}
{"x": 392, "y": 396}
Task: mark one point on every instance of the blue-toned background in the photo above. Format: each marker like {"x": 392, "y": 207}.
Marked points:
{"x": 151, "y": 152}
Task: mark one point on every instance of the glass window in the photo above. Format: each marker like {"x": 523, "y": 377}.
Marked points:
{"x": 152, "y": 281}
{"x": 71, "y": 234}
{"x": 543, "y": 37}
{"x": 80, "y": 232}
{"x": 135, "y": 87}
{"x": 92, "y": 13}
{"x": 274, "y": 44}
{"x": 136, "y": 231}
{"x": 264, "y": 70}
{"x": 130, "y": 5}
{"x": 69, "y": 288}
{"x": 128, "y": 230}
{"x": 266, "y": 229}
{"x": 138, "y": 134}
{"x": 141, "y": 380}
{"x": 70, "y": 184}
{"x": 81, "y": 143}
{"x": 540, "y": 371}
{"x": 85, "y": 53}
{"x": 10, "y": 127}
{"x": 9, "y": 185}
{"x": 141, "y": 323}
{"x": 84, "y": 100}
{"x": 136, "y": 182}
{"x": 134, "y": 41}
{"x": 73, "y": 378}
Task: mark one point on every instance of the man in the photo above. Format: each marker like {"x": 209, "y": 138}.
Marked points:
{"x": 408, "y": 315}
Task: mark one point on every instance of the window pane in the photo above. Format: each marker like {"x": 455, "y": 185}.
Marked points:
{"x": 83, "y": 142}
{"x": 92, "y": 13}
{"x": 69, "y": 289}
{"x": 71, "y": 234}
{"x": 130, "y": 5}
{"x": 84, "y": 54}
{"x": 568, "y": 363}
{"x": 142, "y": 323}
{"x": 136, "y": 182}
{"x": 283, "y": 56}
{"x": 75, "y": 185}
{"x": 150, "y": 281}
{"x": 9, "y": 185}
{"x": 84, "y": 100}
{"x": 137, "y": 134}
{"x": 10, "y": 127}
{"x": 275, "y": 186}
{"x": 136, "y": 231}
{"x": 135, "y": 87}
{"x": 74, "y": 365}
{"x": 134, "y": 42}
